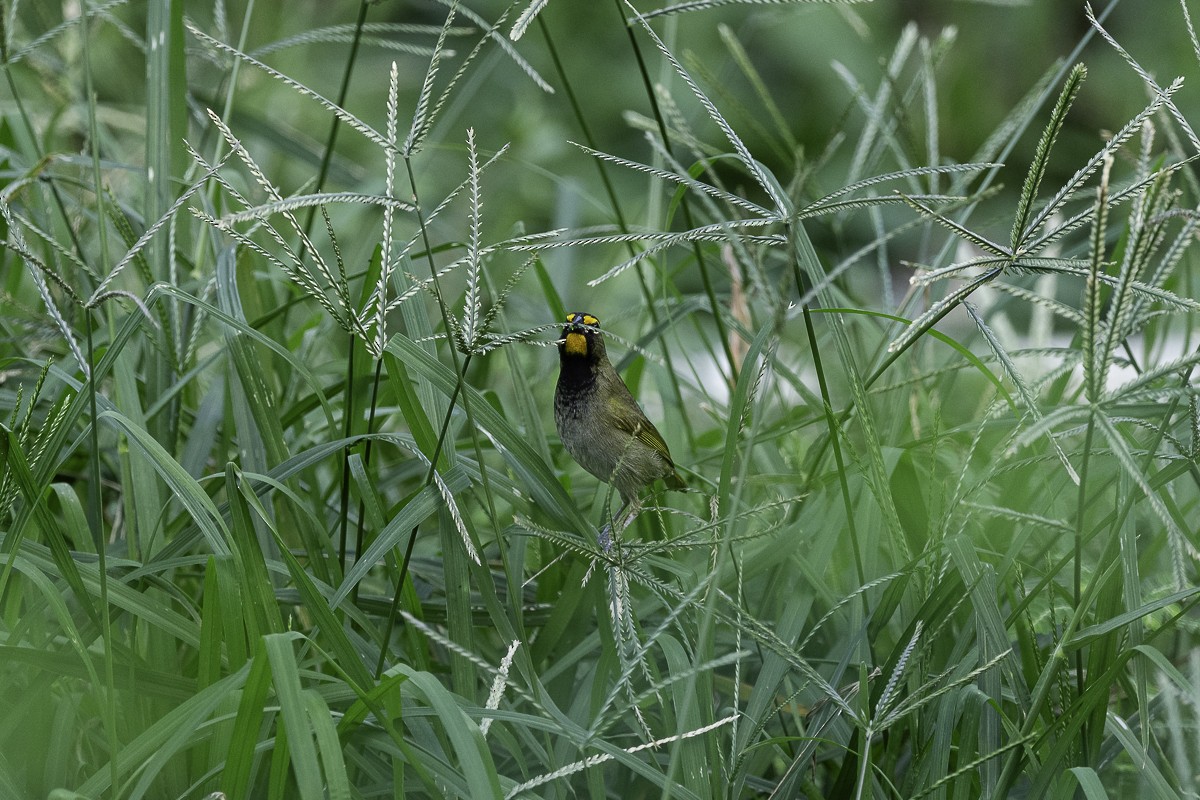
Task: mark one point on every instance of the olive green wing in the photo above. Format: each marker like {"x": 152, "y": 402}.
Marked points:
{"x": 628, "y": 418}
{"x": 649, "y": 435}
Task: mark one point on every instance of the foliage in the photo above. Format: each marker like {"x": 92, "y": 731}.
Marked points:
{"x": 282, "y": 513}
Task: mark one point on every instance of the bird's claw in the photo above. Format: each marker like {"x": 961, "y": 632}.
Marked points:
{"x": 604, "y": 538}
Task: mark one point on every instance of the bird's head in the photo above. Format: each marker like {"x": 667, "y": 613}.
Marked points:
{"x": 581, "y": 338}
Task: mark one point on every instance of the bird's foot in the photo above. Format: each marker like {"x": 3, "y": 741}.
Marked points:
{"x": 604, "y": 538}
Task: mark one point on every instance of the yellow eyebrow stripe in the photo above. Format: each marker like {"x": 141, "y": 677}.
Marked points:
{"x": 579, "y": 316}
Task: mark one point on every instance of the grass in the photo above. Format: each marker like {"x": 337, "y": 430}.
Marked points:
{"x": 283, "y": 514}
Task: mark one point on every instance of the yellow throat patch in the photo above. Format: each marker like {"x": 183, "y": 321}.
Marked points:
{"x": 576, "y": 344}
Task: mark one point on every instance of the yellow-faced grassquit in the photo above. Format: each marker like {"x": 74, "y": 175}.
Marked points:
{"x": 598, "y": 420}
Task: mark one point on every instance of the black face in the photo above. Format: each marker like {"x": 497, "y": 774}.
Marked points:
{"x": 580, "y": 337}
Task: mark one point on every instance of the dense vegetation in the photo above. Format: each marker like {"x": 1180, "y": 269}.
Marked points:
{"x": 282, "y": 509}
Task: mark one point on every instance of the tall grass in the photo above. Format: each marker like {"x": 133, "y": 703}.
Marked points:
{"x": 283, "y": 513}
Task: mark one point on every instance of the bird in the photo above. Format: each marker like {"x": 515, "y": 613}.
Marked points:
{"x": 599, "y": 422}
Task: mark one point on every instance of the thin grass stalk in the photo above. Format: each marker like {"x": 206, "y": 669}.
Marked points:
{"x": 95, "y": 504}
{"x": 1093, "y": 377}
{"x": 360, "y": 532}
{"x": 460, "y": 371}
{"x": 394, "y": 608}
{"x": 685, "y": 206}
{"x": 62, "y": 210}
{"x": 1153, "y": 446}
{"x": 622, "y": 225}
{"x": 729, "y": 496}
{"x": 759, "y": 354}
{"x": 347, "y": 431}
{"x": 1077, "y": 582}
{"x": 14, "y": 94}
{"x": 1132, "y": 591}
{"x": 474, "y": 329}
{"x": 833, "y": 435}
{"x": 385, "y": 268}
{"x": 818, "y": 451}
{"x": 1041, "y": 694}
{"x": 486, "y": 487}
{"x": 336, "y": 123}
{"x": 94, "y": 151}
{"x": 231, "y": 80}
{"x": 165, "y": 156}
{"x": 95, "y": 514}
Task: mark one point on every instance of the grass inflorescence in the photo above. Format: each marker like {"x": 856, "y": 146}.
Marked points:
{"x": 282, "y": 509}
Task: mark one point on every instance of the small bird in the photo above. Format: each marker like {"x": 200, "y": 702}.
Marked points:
{"x": 599, "y": 422}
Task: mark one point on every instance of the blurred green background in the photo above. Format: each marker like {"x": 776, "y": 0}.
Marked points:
{"x": 823, "y": 64}
{"x": 998, "y": 51}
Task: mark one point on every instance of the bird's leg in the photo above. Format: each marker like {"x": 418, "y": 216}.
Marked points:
{"x": 629, "y": 510}
{"x": 605, "y": 537}
{"x": 617, "y": 524}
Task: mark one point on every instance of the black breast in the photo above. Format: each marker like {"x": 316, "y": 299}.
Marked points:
{"x": 576, "y": 383}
